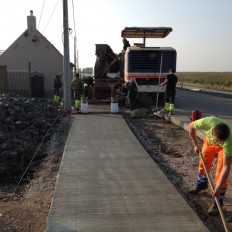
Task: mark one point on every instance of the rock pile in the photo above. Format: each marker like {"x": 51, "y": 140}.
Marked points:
{"x": 24, "y": 123}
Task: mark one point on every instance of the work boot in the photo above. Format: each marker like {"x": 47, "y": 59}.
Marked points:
{"x": 171, "y": 107}
{"x": 55, "y": 98}
{"x": 77, "y": 103}
{"x": 132, "y": 114}
{"x": 201, "y": 184}
{"x": 196, "y": 189}
{"x": 213, "y": 210}
{"x": 166, "y": 106}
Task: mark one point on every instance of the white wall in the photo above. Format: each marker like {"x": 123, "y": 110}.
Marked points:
{"x": 36, "y": 49}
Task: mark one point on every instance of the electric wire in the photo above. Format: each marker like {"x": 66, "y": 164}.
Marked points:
{"x": 41, "y": 13}
{"x": 103, "y": 71}
{"x": 69, "y": 31}
{"x": 51, "y": 16}
{"x": 75, "y": 37}
{"x": 74, "y": 21}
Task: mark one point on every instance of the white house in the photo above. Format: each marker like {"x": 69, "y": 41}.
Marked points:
{"x": 31, "y": 47}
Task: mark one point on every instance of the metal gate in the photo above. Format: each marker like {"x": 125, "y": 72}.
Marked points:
{"x": 37, "y": 85}
{"x": 3, "y": 79}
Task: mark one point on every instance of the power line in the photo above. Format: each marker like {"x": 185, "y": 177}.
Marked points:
{"x": 41, "y": 13}
{"x": 75, "y": 40}
{"x": 51, "y": 16}
{"x": 74, "y": 22}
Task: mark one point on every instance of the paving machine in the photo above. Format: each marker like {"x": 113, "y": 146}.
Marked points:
{"x": 147, "y": 66}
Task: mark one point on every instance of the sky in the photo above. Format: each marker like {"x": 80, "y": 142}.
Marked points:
{"x": 202, "y": 30}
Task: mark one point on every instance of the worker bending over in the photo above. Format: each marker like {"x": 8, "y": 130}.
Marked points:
{"x": 218, "y": 140}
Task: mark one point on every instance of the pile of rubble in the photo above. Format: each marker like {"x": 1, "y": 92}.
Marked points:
{"x": 24, "y": 124}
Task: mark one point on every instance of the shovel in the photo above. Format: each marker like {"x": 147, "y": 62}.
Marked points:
{"x": 216, "y": 198}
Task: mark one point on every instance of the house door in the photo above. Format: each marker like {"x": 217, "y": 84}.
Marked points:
{"x": 3, "y": 79}
{"x": 37, "y": 85}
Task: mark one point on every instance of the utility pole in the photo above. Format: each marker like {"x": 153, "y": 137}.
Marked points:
{"x": 75, "y": 53}
{"x": 66, "y": 62}
{"x": 77, "y": 61}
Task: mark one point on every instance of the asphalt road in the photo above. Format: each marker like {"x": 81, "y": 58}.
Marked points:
{"x": 190, "y": 100}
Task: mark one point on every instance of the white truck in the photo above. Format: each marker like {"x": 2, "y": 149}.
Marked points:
{"x": 148, "y": 66}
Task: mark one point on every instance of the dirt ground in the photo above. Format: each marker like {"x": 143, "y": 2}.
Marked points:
{"x": 168, "y": 145}
{"x": 27, "y": 209}
{"x": 171, "y": 148}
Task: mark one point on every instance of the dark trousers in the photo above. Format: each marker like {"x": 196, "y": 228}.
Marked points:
{"x": 170, "y": 96}
{"x": 56, "y": 92}
{"x": 76, "y": 95}
{"x": 132, "y": 101}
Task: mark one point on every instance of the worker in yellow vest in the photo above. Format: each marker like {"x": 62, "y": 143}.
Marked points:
{"x": 170, "y": 92}
{"x": 57, "y": 84}
{"x": 77, "y": 88}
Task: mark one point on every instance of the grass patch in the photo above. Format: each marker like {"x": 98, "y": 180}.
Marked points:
{"x": 209, "y": 80}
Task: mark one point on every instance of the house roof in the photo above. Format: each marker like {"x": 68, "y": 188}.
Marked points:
{"x": 145, "y": 32}
{"x": 34, "y": 35}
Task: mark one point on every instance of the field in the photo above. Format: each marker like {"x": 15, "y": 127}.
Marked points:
{"x": 209, "y": 80}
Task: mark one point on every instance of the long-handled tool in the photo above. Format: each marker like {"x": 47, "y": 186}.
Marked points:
{"x": 157, "y": 95}
{"x": 216, "y": 198}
